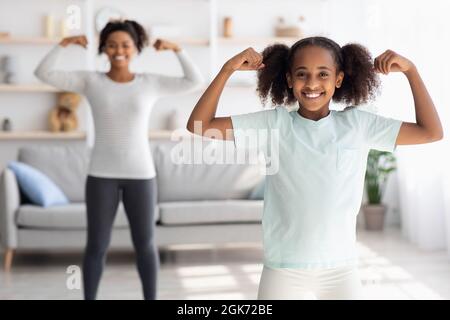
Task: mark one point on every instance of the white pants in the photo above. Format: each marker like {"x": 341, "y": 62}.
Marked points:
{"x": 342, "y": 283}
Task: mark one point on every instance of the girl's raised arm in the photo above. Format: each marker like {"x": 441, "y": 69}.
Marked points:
{"x": 192, "y": 78}
{"x": 428, "y": 126}
{"x": 203, "y": 117}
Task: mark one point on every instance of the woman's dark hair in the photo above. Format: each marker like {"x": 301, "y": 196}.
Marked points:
{"x": 360, "y": 82}
{"x": 134, "y": 29}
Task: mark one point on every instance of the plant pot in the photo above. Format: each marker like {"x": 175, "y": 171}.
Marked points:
{"x": 374, "y": 216}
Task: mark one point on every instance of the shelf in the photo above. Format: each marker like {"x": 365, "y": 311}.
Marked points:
{"x": 178, "y": 40}
{"x": 28, "y": 40}
{"x": 27, "y": 88}
{"x": 76, "y": 135}
{"x": 183, "y": 41}
{"x": 42, "y": 135}
{"x": 190, "y": 41}
{"x": 257, "y": 40}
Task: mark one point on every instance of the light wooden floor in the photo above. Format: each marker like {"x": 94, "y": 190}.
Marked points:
{"x": 391, "y": 268}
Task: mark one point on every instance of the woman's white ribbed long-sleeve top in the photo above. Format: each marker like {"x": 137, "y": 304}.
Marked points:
{"x": 120, "y": 112}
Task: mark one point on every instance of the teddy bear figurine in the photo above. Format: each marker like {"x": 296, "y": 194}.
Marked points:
{"x": 64, "y": 117}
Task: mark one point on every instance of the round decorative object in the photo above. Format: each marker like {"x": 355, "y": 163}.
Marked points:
{"x": 105, "y": 15}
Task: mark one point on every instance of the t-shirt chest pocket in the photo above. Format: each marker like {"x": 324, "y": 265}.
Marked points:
{"x": 347, "y": 158}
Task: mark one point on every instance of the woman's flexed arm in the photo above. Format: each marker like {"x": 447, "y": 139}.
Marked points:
{"x": 428, "y": 126}
{"x": 66, "y": 80}
{"x": 192, "y": 78}
{"x": 77, "y": 40}
{"x": 203, "y": 117}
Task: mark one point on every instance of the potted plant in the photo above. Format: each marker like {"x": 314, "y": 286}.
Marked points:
{"x": 379, "y": 166}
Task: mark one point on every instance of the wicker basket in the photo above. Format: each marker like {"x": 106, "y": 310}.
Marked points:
{"x": 288, "y": 30}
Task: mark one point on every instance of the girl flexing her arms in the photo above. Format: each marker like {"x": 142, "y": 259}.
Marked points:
{"x": 311, "y": 202}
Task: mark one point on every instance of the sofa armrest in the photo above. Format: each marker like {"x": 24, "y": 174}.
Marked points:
{"x": 9, "y": 204}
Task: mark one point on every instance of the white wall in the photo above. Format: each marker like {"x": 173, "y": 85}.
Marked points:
{"x": 421, "y": 32}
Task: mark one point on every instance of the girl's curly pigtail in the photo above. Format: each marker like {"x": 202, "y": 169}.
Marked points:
{"x": 272, "y": 78}
{"x": 360, "y": 82}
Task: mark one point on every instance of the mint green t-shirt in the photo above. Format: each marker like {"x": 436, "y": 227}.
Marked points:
{"x": 313, "y": 193}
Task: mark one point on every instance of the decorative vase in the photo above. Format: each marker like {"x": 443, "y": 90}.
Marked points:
{"x": 227, "y": 27}
{"x": 9, "y": 64}
{"x": 6, "y": 125}
{"x": 49, "y": 26}
{"x": 63, "y": 29}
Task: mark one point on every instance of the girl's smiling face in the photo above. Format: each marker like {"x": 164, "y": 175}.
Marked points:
{"x": 313, "y": 77}
{"x": 120, "y": 48}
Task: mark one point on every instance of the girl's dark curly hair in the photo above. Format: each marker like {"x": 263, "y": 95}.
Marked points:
{"x": 134, "y": 29}
{"x": 360, "y": 82}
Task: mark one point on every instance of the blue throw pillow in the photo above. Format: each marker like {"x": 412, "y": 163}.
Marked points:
{"x": 37, "y": 186}
{"x": 258, "y": 192}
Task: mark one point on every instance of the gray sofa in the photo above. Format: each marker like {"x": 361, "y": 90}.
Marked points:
{"x": 197, "y": 203}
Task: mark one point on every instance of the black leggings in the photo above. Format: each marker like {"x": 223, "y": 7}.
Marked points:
{"x": 102, "y": 199}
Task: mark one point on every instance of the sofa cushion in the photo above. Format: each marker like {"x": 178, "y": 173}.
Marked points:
{"x": 71, "y": 216}
{"x": 37, "y": 186}
{"x": 66, "y": 166}
{"x": 203, "y": 212}
{"x": 180, "y": 179}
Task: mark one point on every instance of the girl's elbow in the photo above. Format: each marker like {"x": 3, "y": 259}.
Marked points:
{"x": 440, "y": 136}
{"x": 190, "y": 126}
{"x": 198, "y": 127}
{"x": 436, "y": 136}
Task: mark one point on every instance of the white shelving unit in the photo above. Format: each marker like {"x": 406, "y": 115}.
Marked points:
{"x": 213, "y": 43}
{"x": 40, "y": 88}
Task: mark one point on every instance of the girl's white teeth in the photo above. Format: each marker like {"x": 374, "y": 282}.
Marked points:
{"x": 312, "y": 95}
{"x": 119, "y": 57}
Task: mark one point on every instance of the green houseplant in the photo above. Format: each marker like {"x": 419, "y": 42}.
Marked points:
{"x": 380, "y": 165}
